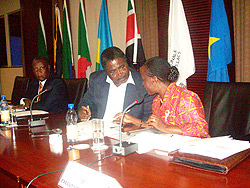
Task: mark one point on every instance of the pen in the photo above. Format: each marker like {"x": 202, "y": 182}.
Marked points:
{"x": 121, "y": 115}
{"x": 128, "y": 111}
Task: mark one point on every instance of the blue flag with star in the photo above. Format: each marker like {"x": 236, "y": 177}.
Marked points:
{"x": 219, "y": 49}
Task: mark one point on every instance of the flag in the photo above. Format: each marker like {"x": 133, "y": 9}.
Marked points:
{"x": 219, "y": 48}
{"x": 42, "y": 45}
{"x": 67, "y": 45}
{"x": 104, "y": 39}
{"x": 134, "y": 50}
{"x": 57, "y": 43}
{"x": 84, "y": 61}
{"x": 180, "y": 51}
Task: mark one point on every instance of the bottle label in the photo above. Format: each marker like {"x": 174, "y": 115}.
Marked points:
{"x": 5, "y": 115}
{"x": 72, "y": 132}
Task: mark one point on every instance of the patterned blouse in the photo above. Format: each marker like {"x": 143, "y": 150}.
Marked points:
{"x": 182, "y": 108}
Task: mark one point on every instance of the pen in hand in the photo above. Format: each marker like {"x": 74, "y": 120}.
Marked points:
{"x": 120, "y": 115}
{"x": 87, "y": 110}
{"x": 85, "y": 113}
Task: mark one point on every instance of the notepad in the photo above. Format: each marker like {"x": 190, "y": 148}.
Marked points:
{"x": 34, "y": 112}
{"x": 218, "y": 154}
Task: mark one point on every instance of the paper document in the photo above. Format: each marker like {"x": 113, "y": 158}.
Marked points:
{"x": 110, "y": 129}
{"x": 148, "y": 141}
{"x": 85, "y": 130}
{"x": 216, "y": 147}
{"x": 34, "y": 112}
{"x": 17, "y": 108}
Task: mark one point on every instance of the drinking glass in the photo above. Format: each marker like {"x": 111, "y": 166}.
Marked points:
{"x": 13, "y": 119}
{"x": 98, "y": 134}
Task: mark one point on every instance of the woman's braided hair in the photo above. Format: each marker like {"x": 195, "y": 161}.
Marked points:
{"x": 159, "y": 67}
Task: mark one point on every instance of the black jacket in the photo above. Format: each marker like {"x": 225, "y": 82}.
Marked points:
{"x": 55, "y": 100}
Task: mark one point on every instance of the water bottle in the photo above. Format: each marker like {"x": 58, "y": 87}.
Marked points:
{"x": 72, "y": 129}
{"x": 5, "y": 114}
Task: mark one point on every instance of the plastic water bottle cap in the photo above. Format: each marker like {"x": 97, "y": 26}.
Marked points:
{"x": 71, "y": 106}
{"x": 2, "y": 96}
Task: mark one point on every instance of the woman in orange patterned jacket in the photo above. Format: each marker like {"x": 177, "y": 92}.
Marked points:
{"x": 176, "y": 110}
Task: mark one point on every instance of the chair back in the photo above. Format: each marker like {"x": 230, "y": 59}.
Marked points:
{"x": 227, "y": 109}
{"x": 19, "y": 90}
{"x": 76, "y": 88}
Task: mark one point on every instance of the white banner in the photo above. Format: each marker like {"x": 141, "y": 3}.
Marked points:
{"x": 180, "y": 51}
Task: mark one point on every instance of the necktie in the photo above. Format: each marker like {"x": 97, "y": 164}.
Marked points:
{"x": 40, "y": 90}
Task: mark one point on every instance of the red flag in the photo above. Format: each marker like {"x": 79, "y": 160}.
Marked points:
{"x": 84, "y": 61}
{"x": 134, "y": 50}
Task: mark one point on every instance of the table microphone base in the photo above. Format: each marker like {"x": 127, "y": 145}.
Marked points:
{"x": 125, "y": 149}
{"x": 34, "y": 123}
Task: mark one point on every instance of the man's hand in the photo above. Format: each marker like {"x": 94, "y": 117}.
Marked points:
{"x": 27, "y": 103}
{"x": 84, "y": 113}
{"x": 126, "y": 119}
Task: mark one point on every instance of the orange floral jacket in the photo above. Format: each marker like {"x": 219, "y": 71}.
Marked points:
{"x": 182, "y": 108}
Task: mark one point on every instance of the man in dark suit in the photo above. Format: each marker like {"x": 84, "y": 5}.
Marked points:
{"x": 55, "y": 100}
{"x": 98, "y": 102}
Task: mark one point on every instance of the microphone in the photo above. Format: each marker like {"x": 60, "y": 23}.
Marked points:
{"x": 125, "y": 148}
{"x": 32, "y": 122}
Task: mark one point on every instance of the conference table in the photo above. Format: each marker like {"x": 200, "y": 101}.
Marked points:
{"x": 24, "y": 158}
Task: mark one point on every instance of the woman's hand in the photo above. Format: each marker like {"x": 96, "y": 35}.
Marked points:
{"x": 159, "y": 124}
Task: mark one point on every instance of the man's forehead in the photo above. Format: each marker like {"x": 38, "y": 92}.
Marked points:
{"x": 117, "y": 62}
{"x": 37, "y": 62}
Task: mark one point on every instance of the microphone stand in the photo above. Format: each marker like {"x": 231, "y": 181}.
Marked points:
{"x": 32, "y": 122}
{"x": 125, "y": 148}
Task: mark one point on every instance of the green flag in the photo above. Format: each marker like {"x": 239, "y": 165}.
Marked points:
{"x": 42, "y": 45}
{"x": 84, "y": 61}
{"x": 57, "y": 43}
{"x": 67, "y": 45}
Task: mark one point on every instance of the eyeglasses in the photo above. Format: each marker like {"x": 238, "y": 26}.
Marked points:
{"x": 39, "y": 69}
{"x": 120, "y": 69}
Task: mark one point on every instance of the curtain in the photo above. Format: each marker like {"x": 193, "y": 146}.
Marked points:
{"x": 241, "y": 17}
{"x": 146, "y": 12}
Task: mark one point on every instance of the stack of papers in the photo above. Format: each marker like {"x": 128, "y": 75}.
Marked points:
{"x": 110, "y": 129}
{"x": 85, "y": 130}
{"x": 149, "y": 140}
{"x": 217, "y": 154}
{"x": 216, "y": 147}
{"x": 27, "y": 113}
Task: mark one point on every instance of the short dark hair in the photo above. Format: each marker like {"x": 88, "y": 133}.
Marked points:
{"x": 159, "y": 67}
{"x": 45, "y": 59}
{"x": 111, "y": 53}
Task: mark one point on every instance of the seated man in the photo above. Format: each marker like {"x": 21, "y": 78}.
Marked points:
{"x": 55, "y": 100}
{"x": 113, "y": 89}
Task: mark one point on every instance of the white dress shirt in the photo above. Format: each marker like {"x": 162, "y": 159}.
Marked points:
{"x": 116, "y": 97}
{"x": 42, "y": 82}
